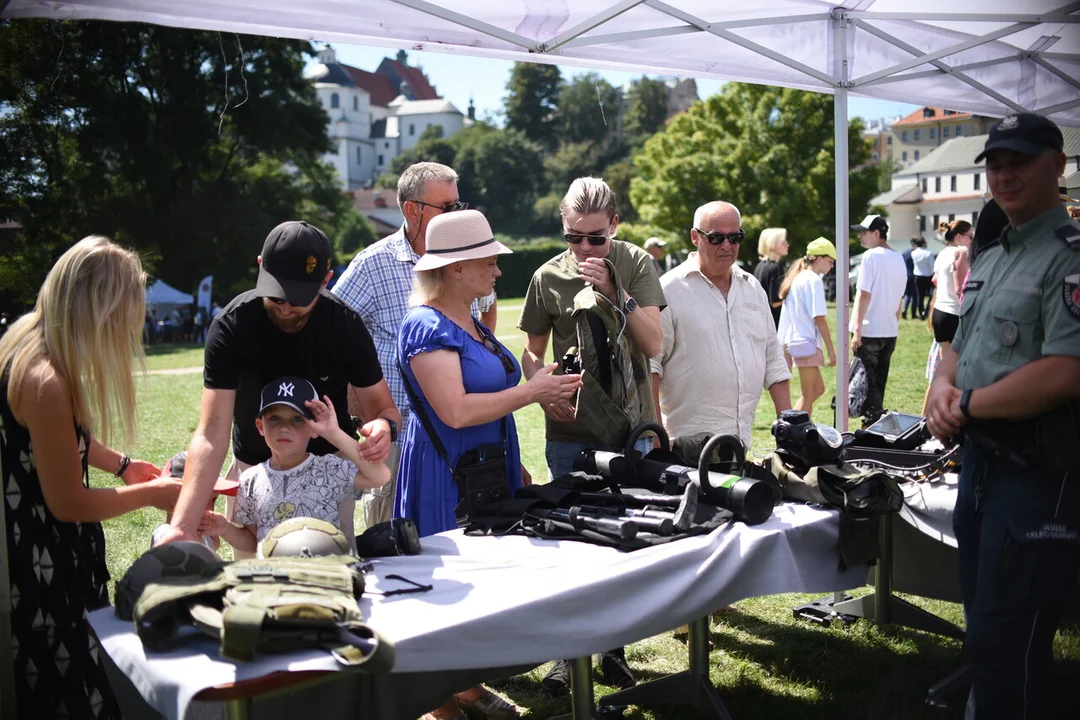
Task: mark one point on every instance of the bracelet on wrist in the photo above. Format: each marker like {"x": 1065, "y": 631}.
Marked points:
{"x": 122, "y": 466}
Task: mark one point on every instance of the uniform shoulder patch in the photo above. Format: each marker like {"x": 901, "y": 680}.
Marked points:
{"x": 1070, "y": 294}
{"x": 1070, "y": 235}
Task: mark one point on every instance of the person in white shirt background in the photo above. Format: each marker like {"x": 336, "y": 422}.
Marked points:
{"x": 875, "y": 318}
{"x": 803, "y": 325}
{"x": 923, "y": 260}
{"x": 719, "y": 340}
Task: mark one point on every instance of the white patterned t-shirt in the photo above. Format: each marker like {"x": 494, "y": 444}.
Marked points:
{"x": 314, "y": 488}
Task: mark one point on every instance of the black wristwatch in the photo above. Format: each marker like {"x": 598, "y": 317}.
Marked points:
{"x": 393, "y": 428}
{"x": 631, "y": 305}
{"x": 965, "y": 400}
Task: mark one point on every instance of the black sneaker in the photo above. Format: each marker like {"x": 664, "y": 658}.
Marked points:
{"x": 615, "y": 671}
{"x": 557, "y": 681}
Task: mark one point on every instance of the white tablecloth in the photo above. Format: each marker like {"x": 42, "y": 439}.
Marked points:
{"x": 513, "y": 601}
{"x": 928, "y": 507}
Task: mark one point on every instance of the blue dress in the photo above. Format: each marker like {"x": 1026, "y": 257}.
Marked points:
{"x": 426, "y": 492}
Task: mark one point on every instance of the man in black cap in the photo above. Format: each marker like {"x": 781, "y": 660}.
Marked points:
{"x": 287, "y": 325}
{"x": 1011, "y": 384}
{"x": 875, "y": 318}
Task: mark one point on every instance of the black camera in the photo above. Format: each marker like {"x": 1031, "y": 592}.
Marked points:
{"x": 571, "y": 362}
{"x": 394, "y": 537}
{"x": 811, "y": 443}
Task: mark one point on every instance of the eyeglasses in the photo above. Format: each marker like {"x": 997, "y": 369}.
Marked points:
{"x": 578, "y": 238}
{"x": 718, "y": 238}
{"x": 448, "y": 207}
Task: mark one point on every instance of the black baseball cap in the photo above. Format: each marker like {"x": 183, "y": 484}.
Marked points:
{"x": 1025, "y": 133}
{"x": 291, "y": 391}
{"x": 295, "y": 258}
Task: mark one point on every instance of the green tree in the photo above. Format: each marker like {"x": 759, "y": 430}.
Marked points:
{"x": 646, "y": 109}
{"x": 618, "y": 176}
{"x": 532, "y": 101}
{"x": 589, "y": 110}
{"x": 767, "y": 150}
{"x": 128, "y": 130}
{"x": 498, "y": 171}
{"x": 431, "y": 132}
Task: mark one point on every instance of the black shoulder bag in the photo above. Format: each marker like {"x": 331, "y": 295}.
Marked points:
{"x": 480, "y": 473}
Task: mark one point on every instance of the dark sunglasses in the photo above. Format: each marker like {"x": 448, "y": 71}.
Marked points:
{"x": 495, "y": 348}
{"x": 718, "y": 238}
{"x": 578, "y": 238}
{"x": 449, "y": 207}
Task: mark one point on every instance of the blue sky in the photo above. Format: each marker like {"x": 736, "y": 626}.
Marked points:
{"x": 459, "y": 77}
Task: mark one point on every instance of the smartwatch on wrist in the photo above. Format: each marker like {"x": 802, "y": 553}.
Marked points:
{"x": 393, "y": 428}
{"x": 631, "y": 305}
{"x": 965, "y": 400}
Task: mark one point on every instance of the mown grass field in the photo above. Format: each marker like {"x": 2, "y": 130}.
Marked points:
{"x": 766, "y": 665}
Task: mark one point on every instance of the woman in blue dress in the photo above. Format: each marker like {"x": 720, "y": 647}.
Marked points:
{"x": 465, "y": 379}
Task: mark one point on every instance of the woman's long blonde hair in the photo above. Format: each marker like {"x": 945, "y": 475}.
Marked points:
{"x": 797, "y": 267}
{"x": 87, "y": 324}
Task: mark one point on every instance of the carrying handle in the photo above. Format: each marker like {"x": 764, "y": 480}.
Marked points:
{"x": 717, "y": 442}
{"x": 665, "y": 445}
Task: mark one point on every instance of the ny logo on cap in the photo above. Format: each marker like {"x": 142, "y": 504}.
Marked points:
{"x": 285, "y": 390}
{"x": 1010, "y": 123}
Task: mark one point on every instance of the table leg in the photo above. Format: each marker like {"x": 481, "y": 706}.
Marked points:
{"x": 883, "y": 607}
{"x": 239, "y": 709}
{"x": 582, "y": 701}
{"x": 692, "y": 687}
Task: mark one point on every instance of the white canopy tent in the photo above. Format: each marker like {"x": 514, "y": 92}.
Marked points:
{"x": 160, "y": 294}
{"x": 992, "y": 57}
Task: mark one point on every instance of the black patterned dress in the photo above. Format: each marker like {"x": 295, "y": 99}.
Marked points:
{"x": 58, "y": 574}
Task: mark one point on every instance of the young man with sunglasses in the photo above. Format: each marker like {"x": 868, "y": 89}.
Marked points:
{"x": 720, "y": 346}
{"x": 287, "y": 326}
{"x": 377, "y": 284}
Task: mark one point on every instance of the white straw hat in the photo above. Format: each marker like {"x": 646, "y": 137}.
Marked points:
{"x": 456, "y": 236}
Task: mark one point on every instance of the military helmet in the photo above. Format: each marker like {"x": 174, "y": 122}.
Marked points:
{"x": 304, "y": 537}
{"x": 176, "y": 559}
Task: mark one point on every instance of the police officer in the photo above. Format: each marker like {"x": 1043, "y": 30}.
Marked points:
{"x": 1011, "y": 383}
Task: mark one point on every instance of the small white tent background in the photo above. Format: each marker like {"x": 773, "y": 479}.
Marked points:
{"x": 161, "y": 295}
{"x": 992, "y": 57}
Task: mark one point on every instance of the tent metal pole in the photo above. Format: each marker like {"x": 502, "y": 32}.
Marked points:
{"x": 1056, "y": 71}
{"x": 584, "y": 27}
{"x": 840, "y": 28}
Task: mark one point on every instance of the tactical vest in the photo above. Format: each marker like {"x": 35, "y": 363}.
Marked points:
{"x": 266, "y": 606}
{"x": 611, "y": 401}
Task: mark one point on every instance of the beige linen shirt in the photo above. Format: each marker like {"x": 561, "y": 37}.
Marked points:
{"x": 718, "y": 353}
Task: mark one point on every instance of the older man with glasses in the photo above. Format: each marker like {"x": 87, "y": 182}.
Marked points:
{"x": 379, "y": 279}
{"x": 720, "y": 346}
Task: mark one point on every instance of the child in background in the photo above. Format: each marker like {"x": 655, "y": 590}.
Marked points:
{"x": 293, "y": 482}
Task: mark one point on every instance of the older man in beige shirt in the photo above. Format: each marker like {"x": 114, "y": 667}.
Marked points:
{"x": 720, "y": 346}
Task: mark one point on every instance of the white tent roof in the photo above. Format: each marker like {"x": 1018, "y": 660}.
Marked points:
{"x": 991, "y": 57}
{"x": 161, "y": 294}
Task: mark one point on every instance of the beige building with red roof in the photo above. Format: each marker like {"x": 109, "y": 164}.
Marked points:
{"x": 916, "y": 135}
{"x": 375, "y": 116}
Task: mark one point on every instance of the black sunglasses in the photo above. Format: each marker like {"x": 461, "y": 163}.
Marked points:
{"x": 495, "y": 348}
{"x": 578, "y": 238}
{"x": 718, "y": 238}
{"x": 448, "y": 207}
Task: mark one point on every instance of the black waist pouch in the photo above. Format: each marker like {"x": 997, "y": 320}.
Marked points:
{"x": 482, "y": 481}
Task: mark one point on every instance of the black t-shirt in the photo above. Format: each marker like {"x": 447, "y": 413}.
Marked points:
{"x": 771, "y": 275}
{"x": 245, "y": 351}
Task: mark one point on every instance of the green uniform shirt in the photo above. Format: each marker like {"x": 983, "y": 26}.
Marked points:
{"x": 549, "y": 304}
{"x": 1021, "y": 301}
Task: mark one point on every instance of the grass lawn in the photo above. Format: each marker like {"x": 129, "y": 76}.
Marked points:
{"x": 766, "y": 664}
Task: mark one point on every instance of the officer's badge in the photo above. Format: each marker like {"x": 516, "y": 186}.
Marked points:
{"x": 1009, "y": 123}
{"x": 1070, "y": 293}
{"x": 311, "y": 264}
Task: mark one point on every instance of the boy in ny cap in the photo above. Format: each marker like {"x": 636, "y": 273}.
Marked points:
{"x": 875, "y": 319}
{"x": 293, "y": 482}
{"x": 288, "y": 325}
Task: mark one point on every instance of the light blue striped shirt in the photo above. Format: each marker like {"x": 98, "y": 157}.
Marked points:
{"x": 376, "y": 285}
